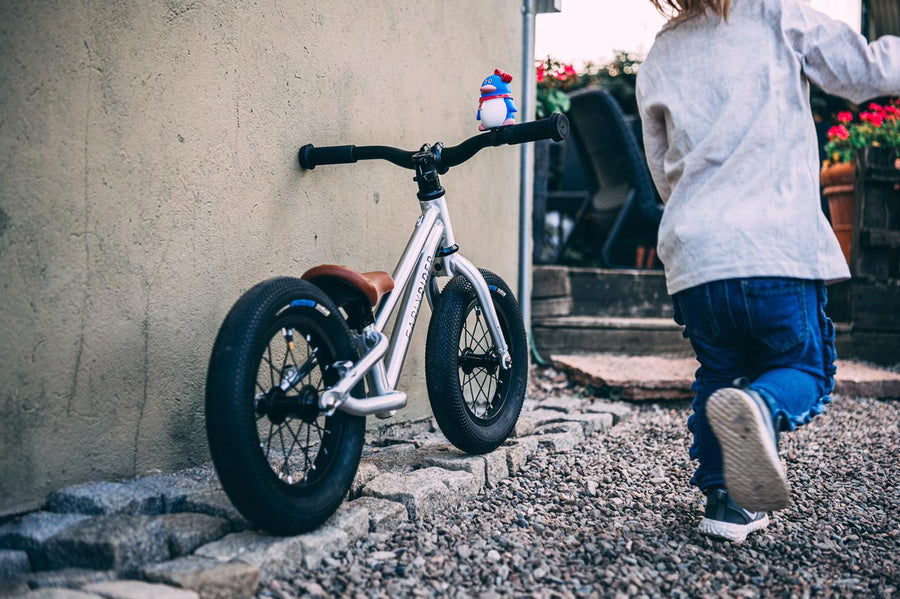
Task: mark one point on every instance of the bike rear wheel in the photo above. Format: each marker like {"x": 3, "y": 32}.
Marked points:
{"x": 284, "y": 464}
{"x": 475, "y": 402}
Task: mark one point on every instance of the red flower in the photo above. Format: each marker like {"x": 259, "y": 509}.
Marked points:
{"x": 566, "y": 73}
{"x": 845, "y": 116}
{"x": 873, "y": 118}
{"x": 541, "y": 71}
{"x": 892, "y": 112}
{"x": 838, "y": 132}
{"x": 875, "y": 107}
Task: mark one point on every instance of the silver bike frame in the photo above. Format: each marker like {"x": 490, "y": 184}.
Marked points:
{"x": 415, "y": 277}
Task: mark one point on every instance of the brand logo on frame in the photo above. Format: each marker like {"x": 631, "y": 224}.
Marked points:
{"x": 422, "y": 283}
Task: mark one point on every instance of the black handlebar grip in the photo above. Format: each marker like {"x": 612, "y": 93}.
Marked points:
{"x": 310, "y": 156}
{"x": 556, "y": 127}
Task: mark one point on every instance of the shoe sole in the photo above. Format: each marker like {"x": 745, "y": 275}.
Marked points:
{"x": 754, "y": 476}
{"x": 735, "y": 533}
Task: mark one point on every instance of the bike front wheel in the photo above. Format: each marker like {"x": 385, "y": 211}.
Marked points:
{"x": 285, "y": 464}
{"x": 475, "y": 401}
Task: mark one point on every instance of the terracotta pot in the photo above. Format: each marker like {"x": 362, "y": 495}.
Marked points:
{"x": 837, "y": 181}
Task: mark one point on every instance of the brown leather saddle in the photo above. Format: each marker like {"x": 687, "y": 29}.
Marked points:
{"x": 344, "y": 285}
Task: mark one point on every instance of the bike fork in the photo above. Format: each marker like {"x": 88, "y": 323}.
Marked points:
{"x": 457, "y": 264}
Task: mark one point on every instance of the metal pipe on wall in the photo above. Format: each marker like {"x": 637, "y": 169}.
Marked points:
{"x": 526, "y": 168}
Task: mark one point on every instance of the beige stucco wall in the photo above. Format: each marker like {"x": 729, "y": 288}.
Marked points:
{"x": 148, "y": 177}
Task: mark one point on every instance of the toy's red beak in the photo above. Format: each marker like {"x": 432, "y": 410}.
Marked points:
{"x": 486, "y": 89}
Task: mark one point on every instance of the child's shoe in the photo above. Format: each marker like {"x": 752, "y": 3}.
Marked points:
{"x": 727, "y": 520}
{"x": 742, "y": 422}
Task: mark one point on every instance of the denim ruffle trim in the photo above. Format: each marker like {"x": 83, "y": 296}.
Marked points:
{"x": 829, "y": 355}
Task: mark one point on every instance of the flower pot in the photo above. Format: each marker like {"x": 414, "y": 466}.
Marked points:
{"x": 837, "y": 181}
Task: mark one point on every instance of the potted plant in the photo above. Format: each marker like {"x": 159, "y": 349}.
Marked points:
{"x": 874, "y": 141}
{"x": 554, "y": 79}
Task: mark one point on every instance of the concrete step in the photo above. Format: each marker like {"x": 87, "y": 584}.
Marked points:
{"x": 633, "y": 336}
{"x": 571, "y": 291}
{"x": 594, "y": 334}
{"x": 643, "y": 378}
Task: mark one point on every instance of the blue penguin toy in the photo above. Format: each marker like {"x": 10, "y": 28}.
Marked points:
{"x": 496, "y": 106}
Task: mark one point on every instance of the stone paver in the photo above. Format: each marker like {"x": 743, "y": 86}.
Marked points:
{"x": 210, "y": 578}
{"x": 422, "y": 491}
{"x": 213, "y": 503}
{"x": 70, "y": 578}
{"x": 133, "y": 589}
{"x": 353, "y": 519}
{"x": 496, "y": 467}
{"x": 186, "y": 531}
{"x": 642, "y": 378}
{"x": 567, "y": 404}
{"x": 519, "y": 451}
{"x": 173, "y": 489}
{"x": 384, "y": 515}
{"x": 398, "y": 459}
{"x": 561, "y": 436}
{"x": 462, "y": 488}
{"x": 105, "y": 498}
{"x": 364, "y": 473}
{"x": 859, "y": 380}
{"x": 33, "y": 530}
{"x": 267, "y": 553}
{"x": 528, "y": 422}
{"x": 487, "y": 469}
{"x": 59, "y": 594}
{"x": 456, "y": 460}
{"x": 321, "y": 543}
{"x": 637, "y": 378}
{"x": 591, "y": 422}
{"x": 618, "y": 410}
{"x": 118, "y": 542}
{"x": 13, "y": 562}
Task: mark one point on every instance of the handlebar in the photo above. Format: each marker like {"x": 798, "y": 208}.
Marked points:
{"x": 556, "y": 127}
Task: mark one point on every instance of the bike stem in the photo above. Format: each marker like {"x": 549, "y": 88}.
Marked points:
{"x": 427, "y": 163}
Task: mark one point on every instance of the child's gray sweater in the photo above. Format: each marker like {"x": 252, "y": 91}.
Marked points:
{"x": 731, "y": 143}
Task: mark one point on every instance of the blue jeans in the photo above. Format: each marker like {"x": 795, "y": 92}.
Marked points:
{"x": 770, "y": 331}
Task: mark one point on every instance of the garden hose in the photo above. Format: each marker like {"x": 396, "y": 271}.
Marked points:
{"x": 540, "y": 361}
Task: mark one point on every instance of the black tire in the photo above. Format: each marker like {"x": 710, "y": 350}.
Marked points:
{"x": 475, "y": 402}
{"x": 281, "y": 330}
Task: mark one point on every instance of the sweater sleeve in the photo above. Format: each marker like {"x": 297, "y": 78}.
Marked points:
{"x": 656, "y": 143}
{"x": 838, "y": 59}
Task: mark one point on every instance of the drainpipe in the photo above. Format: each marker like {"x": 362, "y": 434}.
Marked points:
{"x": 526, "y": 162}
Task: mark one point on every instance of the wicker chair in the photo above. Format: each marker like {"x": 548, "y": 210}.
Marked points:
{"x": 624, "y": 209}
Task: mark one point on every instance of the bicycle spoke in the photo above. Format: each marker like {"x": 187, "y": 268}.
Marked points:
{"x": 271, "y": 366}
{"x": 290, "y": 453}
{"x": 480, "y": 388}
{"x": 485, "y": 333}
{"x": 283, "y": 449}
{"x": 292, "y": 355}
{"x": 269, "y": 441}
{"x": 478, "y": 327}
{"x": 307, "y": 445}
{"x": 284, "y": 359}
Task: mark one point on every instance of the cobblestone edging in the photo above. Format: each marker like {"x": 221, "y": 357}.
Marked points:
{"x": 177, "y": 535}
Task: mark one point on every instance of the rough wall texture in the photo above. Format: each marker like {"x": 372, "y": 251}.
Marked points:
{"x": 148, "y": 177}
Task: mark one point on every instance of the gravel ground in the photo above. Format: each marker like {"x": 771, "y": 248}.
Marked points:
{"x": 616, "y": 518}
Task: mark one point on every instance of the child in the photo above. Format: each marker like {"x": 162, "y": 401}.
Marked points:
{"x": 731, "y": 146}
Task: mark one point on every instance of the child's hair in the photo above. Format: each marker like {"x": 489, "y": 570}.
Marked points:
{"x": 687, "y": 8}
